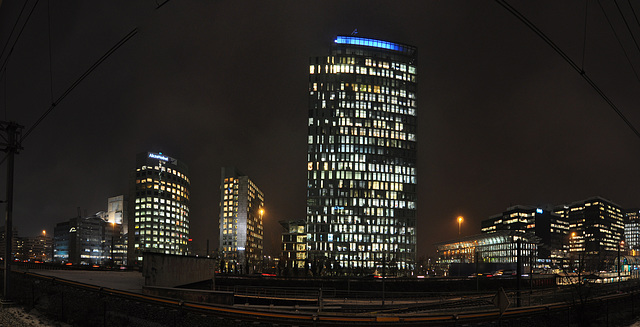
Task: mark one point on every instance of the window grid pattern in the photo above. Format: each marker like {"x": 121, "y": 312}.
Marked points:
{"x": 361, "y": 200}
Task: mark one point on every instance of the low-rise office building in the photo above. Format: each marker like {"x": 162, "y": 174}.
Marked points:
{"x": 488, "y": 252}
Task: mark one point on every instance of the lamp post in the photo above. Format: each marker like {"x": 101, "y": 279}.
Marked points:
{"x": 460, "y": 220}
{"x": 44, "y": 245}
{"x": 572, "y": 244}
{"x": 620, "y": 244}
{"x": 261, "y": 212}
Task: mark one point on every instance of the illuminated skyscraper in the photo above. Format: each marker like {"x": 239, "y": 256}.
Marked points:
{"x": 241, "y": 228}
{"x": 160, "y": 220}
{"x": 361, "y": 191}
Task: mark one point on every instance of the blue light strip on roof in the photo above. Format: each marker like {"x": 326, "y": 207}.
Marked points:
{"x": 368, "y": 43}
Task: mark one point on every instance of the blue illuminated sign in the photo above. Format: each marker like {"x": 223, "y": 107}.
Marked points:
{"x": 539, "y": 210}
{"x": 368, "y": 43}
{"x": 158, "y": 156}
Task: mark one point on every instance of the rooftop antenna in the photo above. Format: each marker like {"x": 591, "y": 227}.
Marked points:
{"x": 354, "y": 32}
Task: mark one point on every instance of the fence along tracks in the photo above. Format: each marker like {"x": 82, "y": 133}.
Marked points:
{"x": 382, "y": 317}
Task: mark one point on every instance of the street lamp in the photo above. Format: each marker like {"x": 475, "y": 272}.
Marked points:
{"x": 460, "y": 220}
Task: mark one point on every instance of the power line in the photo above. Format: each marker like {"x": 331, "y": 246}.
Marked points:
{"x": 76, "y": 83}
{"x": 79, "y": 80}
{"x": 50, "y": 60}
{"x": 162, "y": 4}
{"x": 557, "y": 49}
{"x": 19, "y": 34}
{"x": 634, "y": 12}
{"x": 619, "y": 41}
{"x": 14, "y": 28}
{"x": 627, "y": 25}
{"x": 584, "y": 39}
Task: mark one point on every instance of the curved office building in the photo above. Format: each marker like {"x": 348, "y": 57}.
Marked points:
{"x": 361, "y": 195}
{"x": 160, "y": 220}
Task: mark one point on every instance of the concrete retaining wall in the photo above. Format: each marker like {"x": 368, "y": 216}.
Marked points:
{"x": 175, "y": 270}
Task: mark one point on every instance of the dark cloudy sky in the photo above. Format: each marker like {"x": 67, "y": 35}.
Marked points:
{"x": 503, "y": 120}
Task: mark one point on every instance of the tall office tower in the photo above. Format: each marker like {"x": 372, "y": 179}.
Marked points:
{"x": 596, "y": 225}
{"x": 160, "y": 220}
{"x": 632, "y": 231}
{"x": 361, "y": 179}
{"x": 241, "y": 212}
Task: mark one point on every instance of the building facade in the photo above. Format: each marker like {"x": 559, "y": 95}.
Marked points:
{"x": 81, "y": 241}
{"x": 35, "y": 248}
{"x": 240, "y": 220}
{"x": 160, "y": 207}
{"x": 551, "y": 229}
{"x": 116, "y": 218}
{"x": 14, "y": 241}
{"x": 632, "y": 231}
{"x": 498, "y": 250}
{"x": 361, "y": 160}
{"x": 294, "y": 243}
{"x": 596, "y": 225}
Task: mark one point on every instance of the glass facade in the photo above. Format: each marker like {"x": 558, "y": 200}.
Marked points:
{"x": 498, "y": 247}
{"x": 161, "y": 206}
{"x": 361, "y": 162}
{"x": 596, "y": 225}
{"x": 632, "y": 231}
{"x": 550, "y": 227}
{"x": 241, "y": 228}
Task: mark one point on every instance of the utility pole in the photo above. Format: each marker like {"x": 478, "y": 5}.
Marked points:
{"x": 11, "y": 145}
{"x": 384, "y": 273}
{"x": 518, "y": 272}
{"x": 477, "y": 256}
{"x": 618, "y": 266}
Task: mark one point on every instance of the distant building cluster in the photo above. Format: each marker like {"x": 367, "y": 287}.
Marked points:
{"x": 553, "y": 239}
{"x": 28, "y": 248}
{"x": 153, "y": 217}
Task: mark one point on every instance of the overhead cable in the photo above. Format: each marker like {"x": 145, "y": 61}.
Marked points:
{"x": 559, "y": 51}
{"x": 626, "y": 55}
{"x": 4, "y": 63}
{"x": 79, "y": 80}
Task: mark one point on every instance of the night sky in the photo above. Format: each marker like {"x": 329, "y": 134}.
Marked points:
{"x": 502, "y": 118}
